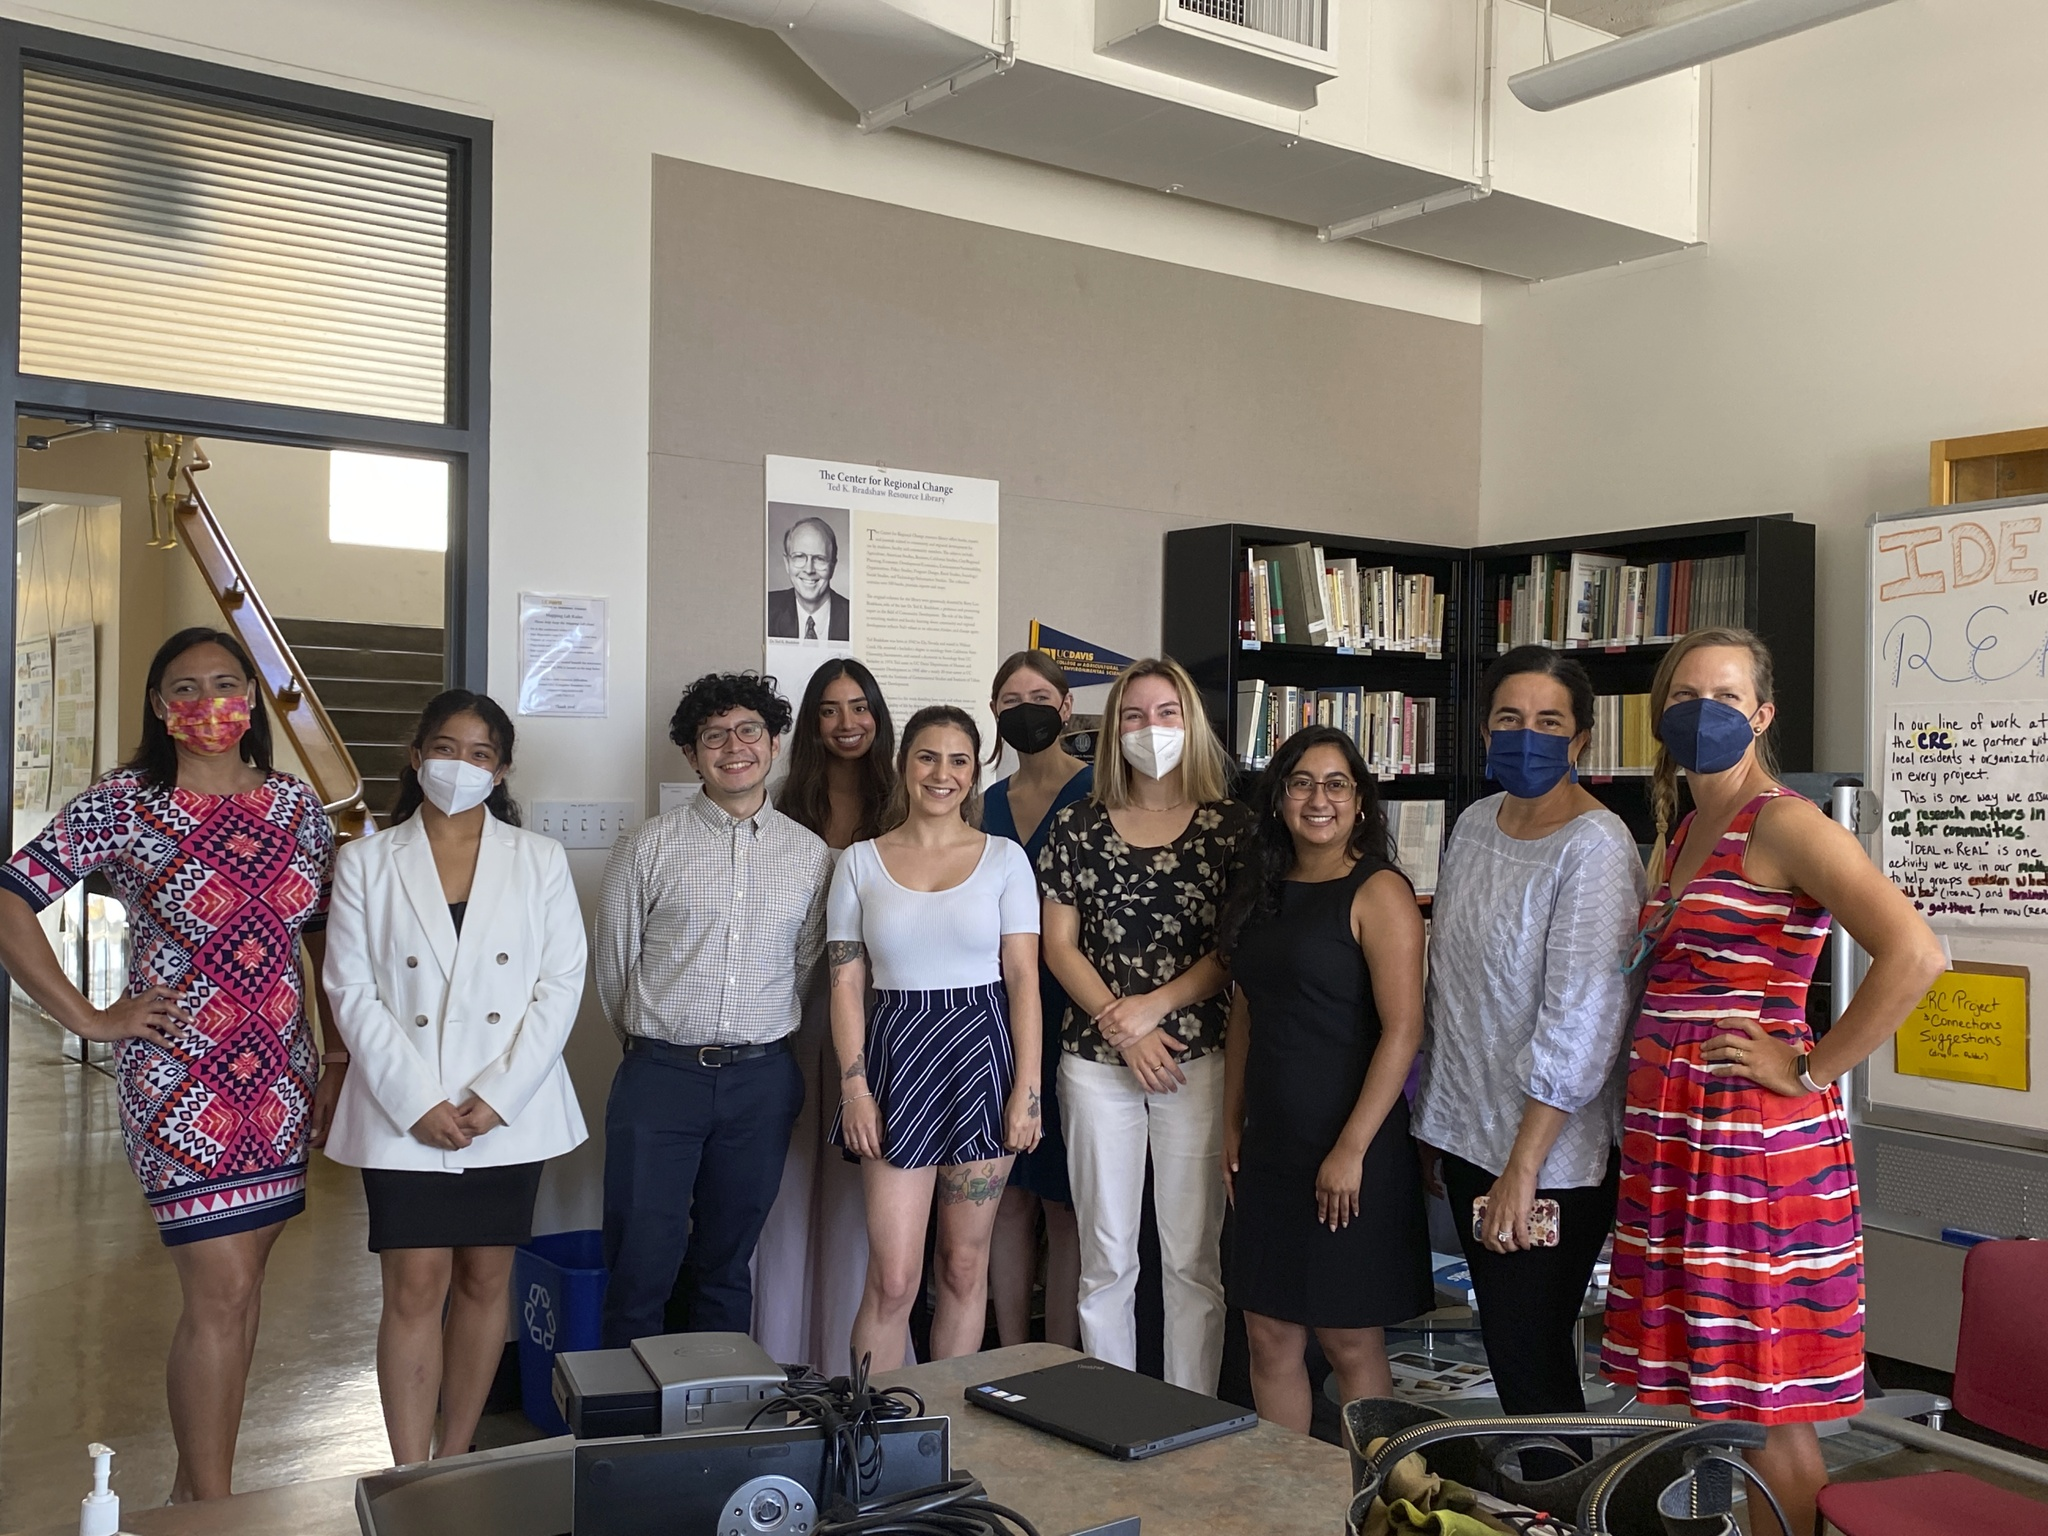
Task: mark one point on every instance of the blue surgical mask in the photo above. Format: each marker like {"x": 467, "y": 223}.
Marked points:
{"x": 1528, "y": 764}
{"x": 1705, "y": 735}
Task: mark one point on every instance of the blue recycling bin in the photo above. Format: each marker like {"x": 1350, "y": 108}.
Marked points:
{"x": 558, "y": 1286}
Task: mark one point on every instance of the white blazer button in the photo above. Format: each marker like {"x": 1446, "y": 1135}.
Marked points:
{"x": 490, "y": 1018}
{"x": 420, "y": 1019}
{"x": 412, "y": 960}
{"x": 503, "y": 959}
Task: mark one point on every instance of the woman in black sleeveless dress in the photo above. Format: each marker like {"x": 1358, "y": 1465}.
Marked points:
{"x": 1325, "y": 949}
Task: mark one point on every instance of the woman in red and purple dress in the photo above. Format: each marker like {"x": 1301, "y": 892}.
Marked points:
{"x": 1738, "y": 1253}
{"x": 224, "y": 865}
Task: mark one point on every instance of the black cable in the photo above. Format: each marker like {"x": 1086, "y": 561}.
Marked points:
{"x": 960, "y": 1507}
{"x": 851, "y": 1414}
{"x": 1717, "y": 1458}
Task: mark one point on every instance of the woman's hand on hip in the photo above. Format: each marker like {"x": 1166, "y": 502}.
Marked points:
{"x": 1151, "y": 1057}
{"x": 1506, "y": 1227}
{"x": 326, "y": 1094}
{"x": 1749, "y": 1050}
{"x": 1023, "y": 1120}
{"x": 1128, "y": 1020}
{"x": 443, "y": 1127}
{"x": 860, "y": 1121}
{"x": 478, "y": 1117}
{"x": 1337, "y": 1183}
{"x": 152, "y": 1015}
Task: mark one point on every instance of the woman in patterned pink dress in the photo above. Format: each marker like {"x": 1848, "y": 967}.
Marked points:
{"x": 224, "y": 864}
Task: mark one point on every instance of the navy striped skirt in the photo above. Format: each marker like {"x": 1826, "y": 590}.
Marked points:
{"x": 940, "y": 1065}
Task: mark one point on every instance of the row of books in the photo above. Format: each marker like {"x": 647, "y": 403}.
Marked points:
{"x": 1601, "y": 600}
{"x": 1395, "y": 732}
{"x": 1621, "y": 744}
{"x": 1290, "y": 594}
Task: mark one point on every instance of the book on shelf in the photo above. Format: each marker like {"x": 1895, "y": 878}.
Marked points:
{"x": 1417, "y": 830}
{"x": 1621, "y": 744}
{"x": 1395, "y": 732}
{"x": 1602, "y": 600}
{"x": 1293, "y": 594}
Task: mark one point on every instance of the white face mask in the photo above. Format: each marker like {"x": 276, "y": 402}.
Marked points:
{"x": 1154, "y": 750}
{"x": 456, "y": 786}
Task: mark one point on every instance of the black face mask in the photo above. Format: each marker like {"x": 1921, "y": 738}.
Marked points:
{"x": 1029, "y": 727}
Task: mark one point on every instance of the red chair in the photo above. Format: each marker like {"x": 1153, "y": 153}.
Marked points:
{"x": 2001, "y": 1383}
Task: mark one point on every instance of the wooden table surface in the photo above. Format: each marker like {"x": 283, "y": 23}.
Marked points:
{"x": 1251, "y": 1484}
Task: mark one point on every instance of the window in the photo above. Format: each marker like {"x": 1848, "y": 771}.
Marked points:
{"x": 382, "y": 499}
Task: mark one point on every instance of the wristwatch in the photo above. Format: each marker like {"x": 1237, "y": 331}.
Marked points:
{"x": 1805, "y": 1077}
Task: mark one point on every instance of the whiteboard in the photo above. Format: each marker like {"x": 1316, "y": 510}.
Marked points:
{"x": 1958, "y": 758}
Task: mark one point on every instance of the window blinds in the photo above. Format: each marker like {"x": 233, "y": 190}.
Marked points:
{"x": 210, "y": 249}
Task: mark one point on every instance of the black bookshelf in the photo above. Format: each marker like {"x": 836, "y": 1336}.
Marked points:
{"x": 1200, "y": 629}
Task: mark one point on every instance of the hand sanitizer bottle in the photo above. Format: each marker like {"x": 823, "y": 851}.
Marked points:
{"x": 99, "y": 1512}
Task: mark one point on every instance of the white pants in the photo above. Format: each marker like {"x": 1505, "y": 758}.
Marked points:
{"x": 1110, "y": 1120}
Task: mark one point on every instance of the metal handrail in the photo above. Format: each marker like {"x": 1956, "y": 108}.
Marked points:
{"x": 298, "y": 710}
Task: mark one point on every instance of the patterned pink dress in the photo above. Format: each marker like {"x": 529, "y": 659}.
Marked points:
{"x": 218, "y": 890}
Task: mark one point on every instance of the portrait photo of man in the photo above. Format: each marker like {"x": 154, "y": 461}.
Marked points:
{"x": 809, "y": 607}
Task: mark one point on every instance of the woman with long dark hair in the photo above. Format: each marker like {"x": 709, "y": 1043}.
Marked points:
{"x": 1528, "y": 1018}
{"x": 224, "y": 866}
{"x": 1032, "y": 703}
{"x": 1324, "y": 943}
{"x": 811, "y": 1263}
{"x": 455, "y": 970}
{"x": 940, "y": 1086}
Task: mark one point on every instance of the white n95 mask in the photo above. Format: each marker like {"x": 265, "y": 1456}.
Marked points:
{"x": 1154, "y": 750}
{"x": 455, "y": 786}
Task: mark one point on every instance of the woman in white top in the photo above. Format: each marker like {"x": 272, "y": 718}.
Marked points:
{"x": 1528, "y": 1019}
{"x": 941, "y": 1085}
{"x": 455, "y": 966}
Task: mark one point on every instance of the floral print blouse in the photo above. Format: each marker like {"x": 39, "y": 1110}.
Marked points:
{"x": 1146, "y": 914}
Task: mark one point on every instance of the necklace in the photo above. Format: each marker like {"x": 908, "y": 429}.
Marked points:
{"x": 1160, "y": 810}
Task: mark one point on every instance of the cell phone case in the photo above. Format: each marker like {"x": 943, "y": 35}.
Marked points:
{"x": 1542, "y": 1222}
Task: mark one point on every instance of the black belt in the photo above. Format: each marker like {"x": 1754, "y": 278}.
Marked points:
{"x": 703, "y": 1055}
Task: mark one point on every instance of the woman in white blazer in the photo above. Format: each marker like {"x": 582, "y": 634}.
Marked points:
{"x": 455, "y": 959}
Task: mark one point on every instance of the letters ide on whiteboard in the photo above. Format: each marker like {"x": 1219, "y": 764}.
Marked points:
{"x": 1960, "y": 712}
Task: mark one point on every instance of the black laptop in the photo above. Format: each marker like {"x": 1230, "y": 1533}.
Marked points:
{"x": 1110, "y": 1409}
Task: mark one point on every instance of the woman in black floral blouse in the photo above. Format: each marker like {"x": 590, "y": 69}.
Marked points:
{"x": 1133, "y": 877}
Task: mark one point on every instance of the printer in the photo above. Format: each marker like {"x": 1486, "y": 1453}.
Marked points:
{"x": 671, "y": 1384}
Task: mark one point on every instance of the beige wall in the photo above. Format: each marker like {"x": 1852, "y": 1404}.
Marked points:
{"x": 1113, "y": 397}
{"x": 1874, "y": 280}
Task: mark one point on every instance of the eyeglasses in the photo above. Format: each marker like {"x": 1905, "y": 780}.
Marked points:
{"x": 712, "y": 737}
{"x": 810, "y": 562}
{"x": 1300, "y": 786}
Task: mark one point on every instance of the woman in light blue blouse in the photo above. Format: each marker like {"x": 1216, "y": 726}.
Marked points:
{"x": 1527, "y": 1023}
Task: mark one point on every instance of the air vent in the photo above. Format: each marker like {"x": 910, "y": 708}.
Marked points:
{"x": 1271, "y": 50}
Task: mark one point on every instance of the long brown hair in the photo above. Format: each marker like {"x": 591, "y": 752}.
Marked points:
{"x": 1204, "y": 768}
{"x": 933, "y": 717}
{"x": 806, "y": 795}
{"x": 1664, "y": 774}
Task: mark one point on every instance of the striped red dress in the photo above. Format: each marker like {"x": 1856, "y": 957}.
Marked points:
{"x": 1738, "y": 1250}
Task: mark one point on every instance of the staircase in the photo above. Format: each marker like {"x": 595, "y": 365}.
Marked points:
{"x": 374, "y": 679}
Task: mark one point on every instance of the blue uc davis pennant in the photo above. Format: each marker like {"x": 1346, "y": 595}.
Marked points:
{"x": 1080, "y": 660}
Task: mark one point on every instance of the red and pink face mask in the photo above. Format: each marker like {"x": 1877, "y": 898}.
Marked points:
{"x": 211, "y": 726}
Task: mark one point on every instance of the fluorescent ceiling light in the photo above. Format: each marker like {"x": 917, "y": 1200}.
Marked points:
{"x": 1674, "y": 46}
{"x": 382, "y": 499}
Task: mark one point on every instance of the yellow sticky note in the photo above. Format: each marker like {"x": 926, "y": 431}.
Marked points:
{"x": 1971, "y": 1027}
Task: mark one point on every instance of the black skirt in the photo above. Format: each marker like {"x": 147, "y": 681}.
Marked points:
{"x": 477, "y": 1208}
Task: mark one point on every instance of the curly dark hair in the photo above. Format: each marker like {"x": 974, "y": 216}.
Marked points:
{"x": 1266, "y": 858}
{"x": 716, "y": 692}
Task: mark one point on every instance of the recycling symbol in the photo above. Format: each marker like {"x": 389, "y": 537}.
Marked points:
{"x": 540, "y": 1316}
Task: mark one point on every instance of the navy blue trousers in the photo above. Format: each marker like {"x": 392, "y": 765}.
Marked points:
{"x": 692, "y": 1162}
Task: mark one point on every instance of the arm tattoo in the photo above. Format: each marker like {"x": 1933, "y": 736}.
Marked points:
{"x": 858, "y": 1067}
{"x": 844, "y": 952}
{"x": 1032, "y": 1106}
{"x": 969, "y": 1184}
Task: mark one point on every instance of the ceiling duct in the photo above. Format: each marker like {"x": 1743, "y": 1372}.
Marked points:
{"x": 1676, "y": 45}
